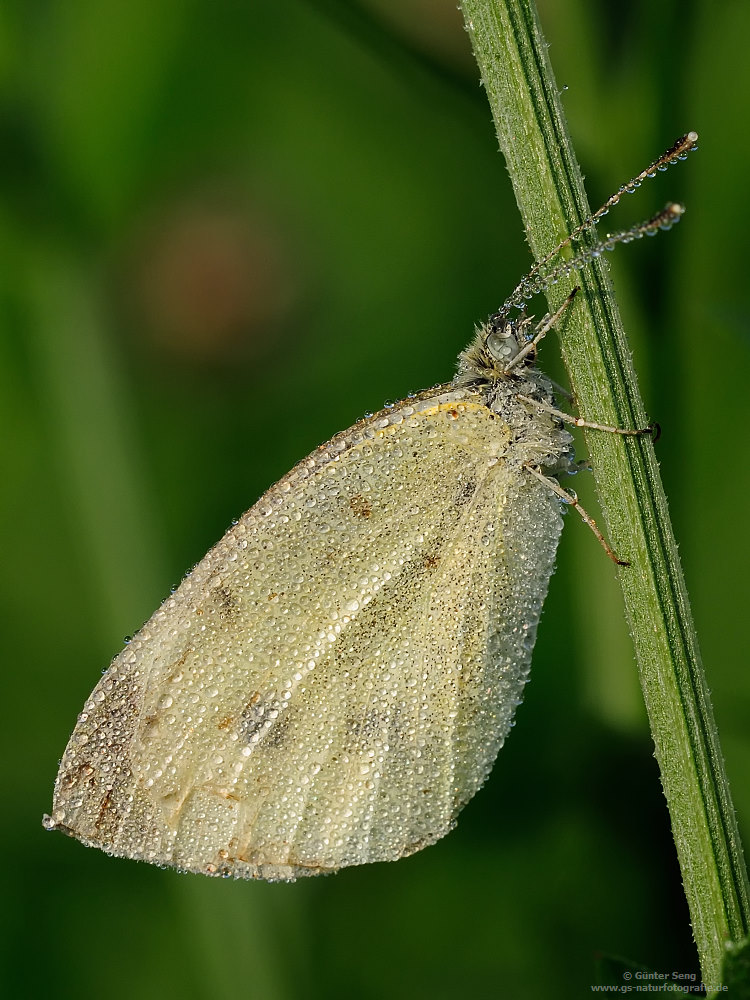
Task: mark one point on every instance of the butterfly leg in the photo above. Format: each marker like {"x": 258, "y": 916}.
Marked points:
{"x": 567, "y": 418}
{"x": 572, "y": 499}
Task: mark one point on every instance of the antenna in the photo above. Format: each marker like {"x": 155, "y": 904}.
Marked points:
{"x": 540, "y": 278}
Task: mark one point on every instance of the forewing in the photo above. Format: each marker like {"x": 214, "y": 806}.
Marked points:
{"x": 332, "y": 682}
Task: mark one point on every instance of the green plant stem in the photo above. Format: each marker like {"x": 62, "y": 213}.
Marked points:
{"x": 531, "y": 128}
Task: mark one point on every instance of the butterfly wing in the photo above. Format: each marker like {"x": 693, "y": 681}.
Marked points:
{"x": 331, "y": 683}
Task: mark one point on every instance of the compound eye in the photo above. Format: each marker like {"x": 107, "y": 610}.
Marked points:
{"x": 502, "y": 345}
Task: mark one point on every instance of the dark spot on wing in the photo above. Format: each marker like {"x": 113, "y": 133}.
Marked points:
{"x": 150, "y": 726}
{"x": 96, "y": 783}
{"x": 360, "y": 732}
{"x": 78, "y": 776}
{"x": 465, "y": 491}
{"x": 104, "y": 808}
{"x": 252, "y": 718}
{"x": 256, "y": 718}
{"x": 360, "y": 506}
{"x": 227, "y": 603}
{"x": 277, "y": 734}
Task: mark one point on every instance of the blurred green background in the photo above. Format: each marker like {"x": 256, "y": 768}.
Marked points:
{"x": 230, "y": 228}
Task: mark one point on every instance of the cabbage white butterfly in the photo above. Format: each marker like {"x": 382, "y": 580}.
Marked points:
{"x": 331, "y": 684}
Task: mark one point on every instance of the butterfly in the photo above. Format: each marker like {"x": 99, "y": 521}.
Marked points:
{"x": 332, "y": 682}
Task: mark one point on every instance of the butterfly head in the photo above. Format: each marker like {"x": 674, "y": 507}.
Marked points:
{"x": 497, "y": 343}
